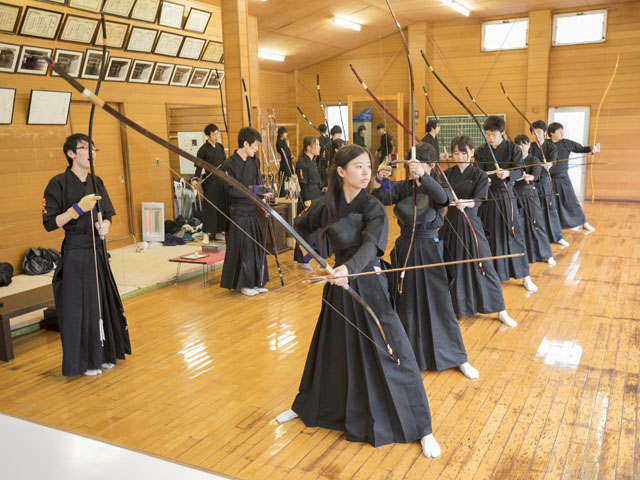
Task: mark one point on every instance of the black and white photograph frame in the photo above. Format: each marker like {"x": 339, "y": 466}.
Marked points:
{"x": 9, "y": 17}
{"x": 118, "y": 8}
{"x": 142, "y": 39}
{"x": 168, "y": 44}
{"x": 41, "y": 23}
{"x": 213, "y": 53}
{"x": 117, "y": 69}
{"x": 9, "y": 55}
{"x": 162, "y": 73}
{"x": 181, "y": 75}
{"x": 76, "y": 29}
{"x": 93, "y": 64}
{"x": 171, "y": 15}
{"x": 197, "y": 20}
{"x": 214, "y": 80}
{"x": 48, "y": 107}
{"x": 145, "y": 10}
{"x": 68, "y": 60}
{"x": 199, "y": 77}
{"x": 32, "y": 60}
{"x": 94, "y": 6}
{"x": 192, "y": 48}
{"x": 141, "y": 71}
{"x": 7, "y": 102}
{"x": 116, "y": 34}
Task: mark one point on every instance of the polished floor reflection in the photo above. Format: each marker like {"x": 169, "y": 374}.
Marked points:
{"x": 557, "y": 395}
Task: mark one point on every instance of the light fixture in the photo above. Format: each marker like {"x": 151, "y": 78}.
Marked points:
{"x": 270, "y": 56}
{"x": 343, "y": 22}
{"x": 457, "y": 7}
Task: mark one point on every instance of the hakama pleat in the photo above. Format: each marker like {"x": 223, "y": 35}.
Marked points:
{"x": 535, "y": 237}
{"x": 569, "y": 209}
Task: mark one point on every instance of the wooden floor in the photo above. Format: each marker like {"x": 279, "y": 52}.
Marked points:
{"x": 557, "y": 396}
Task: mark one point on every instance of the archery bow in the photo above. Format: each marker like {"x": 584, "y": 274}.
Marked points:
{"x": 224, "y": 117}
{"x": 226, "y": 179}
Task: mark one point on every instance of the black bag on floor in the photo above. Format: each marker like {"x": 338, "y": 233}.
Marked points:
{"x": 38, "y": 261}
{"x": 6, "y": 272}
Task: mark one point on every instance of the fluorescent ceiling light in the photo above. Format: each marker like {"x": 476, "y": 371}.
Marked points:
{"x": 270, "y": 56}
{"x": 457, "y": 7}
{"x": 347, "y": 23}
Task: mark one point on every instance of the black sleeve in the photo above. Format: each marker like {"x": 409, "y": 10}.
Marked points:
{"x": 516, "y": 161}
{"x": 436, "y": 192}
{"x": 302, "y": 170}
{"x": 481, "y": 188}
{"x": 52, "y": 204}
{"x": 391, "y": 196}
{"x": 202, "y": 155}
{"x": 575, "y": 147}
{"x": 363, "y": 257}
{"x": 374, "y": 237}
{"x": 108, "y": 212}
{"x": 311, "y": 218}
{"x": 534, "y": 169}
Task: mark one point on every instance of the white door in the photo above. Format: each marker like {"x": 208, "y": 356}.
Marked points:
{"x": 575, "y": 123}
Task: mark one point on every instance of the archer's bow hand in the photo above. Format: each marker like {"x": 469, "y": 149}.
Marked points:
{"x": 547, "y": 166}
{"x": 337, "y": 277}
{"x": 416, "y": 169}
{"x": 263, "y": 190}
{"x": 502, "y": 174}
{"x": 462, "y": 203}
{"x": 85, "y": 204}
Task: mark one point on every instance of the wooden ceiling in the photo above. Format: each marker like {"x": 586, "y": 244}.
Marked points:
{"x": 303, "y": 31}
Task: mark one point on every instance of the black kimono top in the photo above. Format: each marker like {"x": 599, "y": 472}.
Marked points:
{"x": 550, "y": 153}
{"x": 533, "y": 168}
{"x": 62, "y": 192}
{"x": 386, "y": 146}
{"x": 358, "y": 139}
{"x": 214, "y": 156}
{"x": 286, "y": 158}
{"x": 508, "y": 155}
{"x": 247, "y": 173}
{"x": 324, "y": 158}
{"x": 472, "y": 184}
{"x": 308, "y": 177}
{"x": 565, "y": 148}
{"x": 433, "y": 141}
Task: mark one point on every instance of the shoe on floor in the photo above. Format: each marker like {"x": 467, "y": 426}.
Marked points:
{"x": 249, "y": 292}
{"x": 306, "y": 266}
{"x": 261, "y": 289}
{"x": 108, "y": 366}
{"x": 588, "y": 227}
{"x": 92, "y": 373}
{"x": 551, "y": 261}
{"x": 563, "y": 242}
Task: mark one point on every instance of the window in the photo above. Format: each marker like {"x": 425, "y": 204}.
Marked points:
{"x": 505, "y": 34}
{"x": 580, "y": 27}
{"x": 339, "y": 115}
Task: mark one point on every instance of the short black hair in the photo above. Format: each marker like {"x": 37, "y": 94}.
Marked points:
{"x": 379, "y": 126}
{"x": 336, "y": 129}
{"x": 322, "y": 128}
{"x": 553, "y": 127}
{"x": 522, "y": 139}
{"x": 539, "y": 124}
{"x": 249, "y": 135}
{"x": 361, "y": 128}
{"x": 431, "y": 124}
{"x": 426, "y": 153}
{"x": 71, "y": 143}
{"x": 281, "y": 131}
{"x": 494, "y": 123}
{"x": 462, "y": 142}
{"x": 209, "y": 129}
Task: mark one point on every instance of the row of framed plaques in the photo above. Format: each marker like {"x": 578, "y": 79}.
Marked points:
{"x": 168, "y": 14}
{"x": 48, "y": 24}
{"x": 46, "y": 107}
{"x": 30, "y": 60}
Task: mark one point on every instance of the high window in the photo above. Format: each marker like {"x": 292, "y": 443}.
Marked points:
{"x": 580, "y": 27}
{"x": 505, "y": 34}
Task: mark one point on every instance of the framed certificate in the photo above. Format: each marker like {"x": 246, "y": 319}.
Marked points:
{"x": 197, "y": 20}
{"x": 141, "y": 71}
{"x": 145, "y": 10}
{"x": 120, "y": 8}
{"x": 7, "y": 100}
{"x": 171, "y": 15}
{"x": 116, "y": 34}
{"x": 9, "y": 54}
{"x": 78, "y": 29}
{"x": 69, "y": 60}
{"x": 118, "y": 69}
{"x": 198, "y": 77}
{"x": 48, "y": 107}
{"x": 168, "y": 44}
{"x": 213, "y": 52}
{"x": 40, "y": 23}
{"x": 59, "y": 2}
{"x": 192, "y": 48}
{"x": 141, "y": 39}
{"x": 89, "y": 5}
{"x": 9, "y": 16}
{"x": 162, "y": 73}
{"x": 215, "y": 79}
{"x": 32, "y": 60}
{"x": 93, "y": 64}
{"x": 180, "y": 76}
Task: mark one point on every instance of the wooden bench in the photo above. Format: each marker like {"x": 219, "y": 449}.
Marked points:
{"x": 19, "y": 304}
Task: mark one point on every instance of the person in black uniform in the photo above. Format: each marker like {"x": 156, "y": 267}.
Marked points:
{"x": 535, "y": 232}
{"x": 212, "y": 152}
{"x": 325, "y": 153}
{"x": 569, "y": 209}
{"x": 424, "y": 304}
{"x": 245, "y": 267}
{"x": 349, "y": 383}
{"x": 500, "y": 214}
{"x": 548, "y": 201}
{"x": 286, "y": 158}
{"x": 89, "y": 342}
{"x": 359, "y": 136}
{"x": 336, "y": 132}
{"x": 475, "y": 288}
{"x": 386, "y": 146}
{"x": 431, "y": 137}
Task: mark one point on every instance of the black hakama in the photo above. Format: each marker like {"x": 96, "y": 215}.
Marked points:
{"x": 547, "y": 199}
{"x": 286, "y": 164}
{"x": 424, "y": 306}
{"x": 87, "y": 343}
{"x": 213, "y": 189}
{"x": 502, "y": 221}
{"x": 350, "y": 384}
{"x": 535, "y": 233}
{"x": 569, "y": 208}
{"x": 245, "y": 263}
{"x": 471, "y": 291}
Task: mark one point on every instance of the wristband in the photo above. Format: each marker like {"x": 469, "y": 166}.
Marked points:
{"x": 255, "y": 189}
{"x": 78, "y": 210}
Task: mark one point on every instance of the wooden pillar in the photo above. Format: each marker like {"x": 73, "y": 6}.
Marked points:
{"x": 240, "y": 39}
{"x": 538, "y": 66}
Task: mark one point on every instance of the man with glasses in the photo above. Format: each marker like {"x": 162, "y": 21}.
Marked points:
{"x": 93, "y": 327}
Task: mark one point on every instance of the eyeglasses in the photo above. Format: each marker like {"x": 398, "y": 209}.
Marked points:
{"x": 86, "y": 147}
